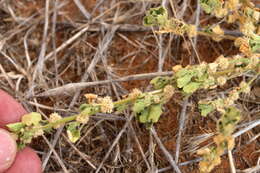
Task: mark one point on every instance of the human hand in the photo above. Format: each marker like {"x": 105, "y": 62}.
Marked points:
{"x": 11, "y": 160}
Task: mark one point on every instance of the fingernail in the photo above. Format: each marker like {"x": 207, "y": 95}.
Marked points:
{"x": 7, "y": 150}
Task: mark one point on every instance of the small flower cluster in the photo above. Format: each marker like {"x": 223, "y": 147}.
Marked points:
{"x": 91, "y": 98}
{"x": 94, "y": 105}
{"x": 53, "y": 118}
{"x": 135, "y": 93}
{"x": 168, "y": 92}
{"x": 106, "y": 103}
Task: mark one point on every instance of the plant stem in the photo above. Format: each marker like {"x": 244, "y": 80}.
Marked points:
{"x": 216, "y": 35}
{"x": 58, "y": 122}
{"x": 131, "y": 99}
{"x": 73, "y": 117}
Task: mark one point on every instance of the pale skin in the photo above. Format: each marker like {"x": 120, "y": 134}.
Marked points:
{"x": 11, "y": 160}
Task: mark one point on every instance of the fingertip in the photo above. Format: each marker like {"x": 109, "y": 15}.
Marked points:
{"x": 7, "y": 150}
{"x": 10, "y": 110}
{"x": 26, "y": 161}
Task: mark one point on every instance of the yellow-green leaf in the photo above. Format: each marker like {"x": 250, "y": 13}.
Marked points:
{"x": 15, "y": 127}
{"x": 205, "y": 109}
{"x": 155, "y": 113}
{"x": 181, "y": 82}
{"x": 139, "y": 106}
{"x": 143, "y": 116}
{"x": 32, "y": 118}
{"x": 160, "y": 82}
{"x": 73, "y": 131}
{"x": 191, "y": 87}
{"x": 156, "y": 16}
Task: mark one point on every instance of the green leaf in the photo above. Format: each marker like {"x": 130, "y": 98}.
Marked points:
{"x": 15, "y": 127}
{"x": 210, "y": 5}
{"x": 205, "y": 109}
{"x": 148, "y": 100}
{"x": 89, "y": 110}
{"x": 32, "y": 118}
{"x": 181, "y": 82}
{"x": 228, "y": 121}
{"x": 202, "y": 77}
{"x": 83, "y": 106}
{"x": 156, "y": 16}
{"x": 206, "y": 8}
{"x": 27, "y": 136}
{"x": 149, "y": 21}
{"x": 208, "y": 82}
{"x": 184, "y": 76}
{"x": 191, "y": 87}
{"x": 121, "y": 108}
{"x": 73, "y": 131}
{"x": 160, "y": 82}
{"x": 143, "y": 116}
{"x": 21, "y": 146}
{"x": 139, "y": 106}
{"x": 254, "y": 43}
{"x": 233, "y": 115}
{"x": 155, "y": 113}
{"x": 150, "y": 114}
{"x": 159, "y": 11}
{"x": 182, "y": 72}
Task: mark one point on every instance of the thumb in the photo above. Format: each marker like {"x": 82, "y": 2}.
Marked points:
{"x": 7, "y": 150}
